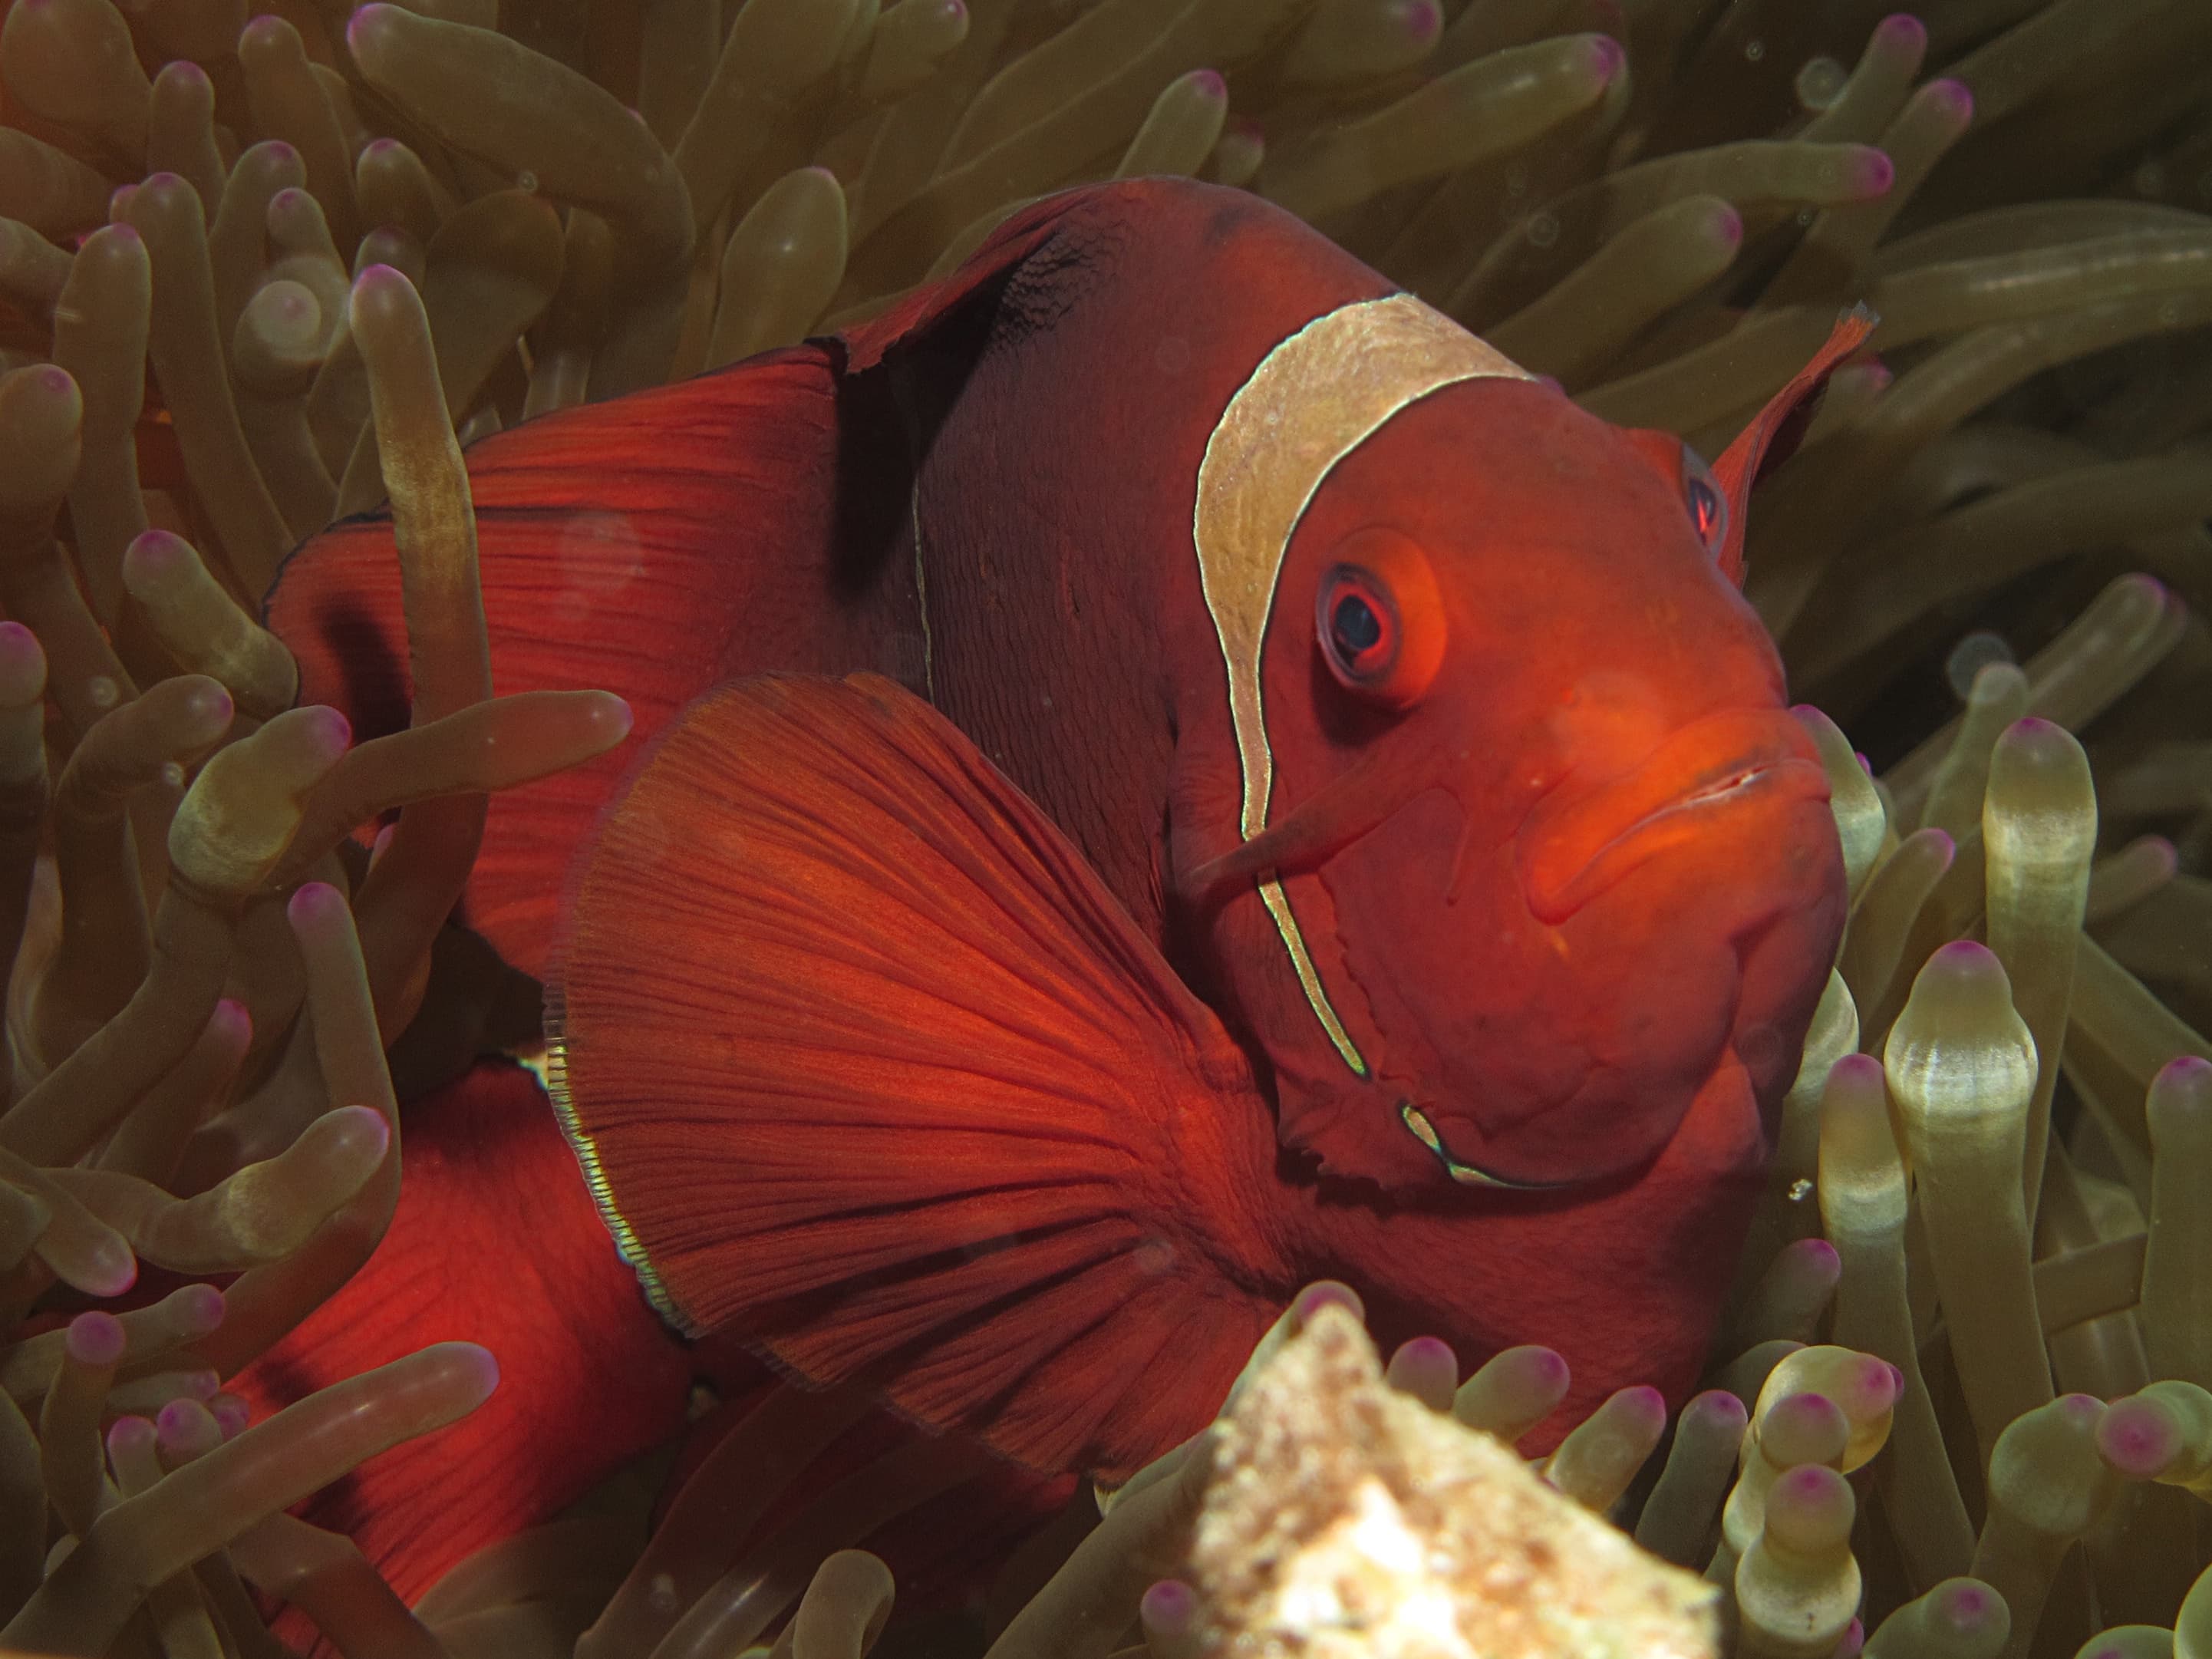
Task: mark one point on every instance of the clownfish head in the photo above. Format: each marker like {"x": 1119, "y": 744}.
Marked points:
{"x": 1535, "y": 864}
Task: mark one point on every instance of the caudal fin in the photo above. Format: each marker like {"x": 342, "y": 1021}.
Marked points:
{"x": 870, "y": 1070}
{"x": 493, "y": 1242}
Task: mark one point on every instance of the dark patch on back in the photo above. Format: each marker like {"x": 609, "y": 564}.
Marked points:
{"x": 1078, "y": 261}
{"x": 875, "y": 473}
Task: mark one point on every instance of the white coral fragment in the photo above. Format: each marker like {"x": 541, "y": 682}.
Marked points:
{"x": 1343, "y": 1520}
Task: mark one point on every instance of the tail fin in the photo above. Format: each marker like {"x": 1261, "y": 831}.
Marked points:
{"x": 494, "y": 1241}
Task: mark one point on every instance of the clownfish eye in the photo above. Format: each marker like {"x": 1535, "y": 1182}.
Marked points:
{"x": 1708, "y": 506}
{"x": 1379, "y": 619}
{"x": 1357, "y": 636}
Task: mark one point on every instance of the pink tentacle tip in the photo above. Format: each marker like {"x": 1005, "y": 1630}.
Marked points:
{"x": 1169, "y": 1606}
{"x": 1856, "y": 1068}
{"x": 1964, "y": 955}
{"x": 22, "y": 667}
{"x": 179, "y": 1417}
{"x": 201, "y": 1307}
{"x": 1879, "y": 1383}
{"x": 1902, "y": 29}
{"x": 1956, "y": 97}
{"x": 1808, "y": 1481}
{"x": 1865, "y": 765}
{"x": 1606, "y": 59}
{"x": 1818, "y": 1254}
{"x": 110, "y": 1270}
{"x": 2083, "y": 1408}
{"x": 1424, "y": 21}
{"x": 332, "y": 729}
{"x": 316, "y": 904}
{"x": 1854, "y": 1642}
{"x": 1549, "y": 1366}
{"x": 364, "y": 1128}
{"x": 1209, "y": 84}
{"x": 153, "y": 554}
{"x": 482, "y": 1366}
{"x": 230, "y": 1413}
{"x": 2184, "y": 1071}
{"x": 1969, "y": 1602}
{"x": 1815, "y": 1408}
{"x": 2137, "y": 1438}
{"x": 95, "y": 1339}
{"x": 1721, "y": 1409}
{"x": 379, "y": 285}
{"x": 1312, "y": 1299}
{"x": 1727, "y": 225}
{"x": 1873, "y": 174}
{"x": 211, "y": 705}
{"x": 1643, "y": 1403}
{"x": 231, "y": 1025}
{"x": 1427, "y": 1350}
{"x": 129, "y": 1434}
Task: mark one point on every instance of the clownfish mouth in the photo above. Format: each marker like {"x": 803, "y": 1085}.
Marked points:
{"x": 1698, "y": 782}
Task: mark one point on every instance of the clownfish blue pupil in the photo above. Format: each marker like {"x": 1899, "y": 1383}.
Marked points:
{"x": 1354, "y": 627}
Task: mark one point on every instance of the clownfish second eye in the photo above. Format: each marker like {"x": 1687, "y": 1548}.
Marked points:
{"x": 1708, "y": 506}
{"x": 1379, "y": 619}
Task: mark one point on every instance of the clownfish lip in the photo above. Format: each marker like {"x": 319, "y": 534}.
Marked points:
{"x": 1572, "y": 851}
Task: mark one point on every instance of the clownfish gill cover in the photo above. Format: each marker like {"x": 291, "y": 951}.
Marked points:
{"x": 777, "y": 766}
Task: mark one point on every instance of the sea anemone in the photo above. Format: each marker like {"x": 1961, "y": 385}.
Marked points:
{"x": 344, "y": 237}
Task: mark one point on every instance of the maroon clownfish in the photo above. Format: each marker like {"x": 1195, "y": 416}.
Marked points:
{"x": 1166, "y": 771}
